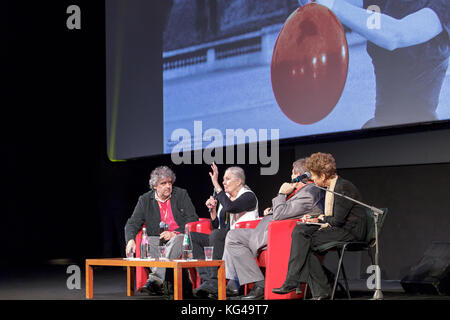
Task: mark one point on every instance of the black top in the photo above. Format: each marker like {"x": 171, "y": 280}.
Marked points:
{"x": 245, "y": 202}
{"x": 409, "y": 80}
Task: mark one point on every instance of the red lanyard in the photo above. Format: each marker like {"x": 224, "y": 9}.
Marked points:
{"x": 292, "y": 193}
{"x": 164, "y": 212}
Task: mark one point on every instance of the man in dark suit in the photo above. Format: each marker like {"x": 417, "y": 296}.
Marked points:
{"x": 166, "y": 204}
{"x": 343, "y": 220}
{"x": 243, "y": 245}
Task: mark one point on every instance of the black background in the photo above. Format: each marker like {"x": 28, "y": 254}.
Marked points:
{"x": 55, "y": 149}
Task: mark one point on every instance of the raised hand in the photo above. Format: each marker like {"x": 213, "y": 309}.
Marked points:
{"x": 215, "y": 177}
{"x": 287, "y": 188}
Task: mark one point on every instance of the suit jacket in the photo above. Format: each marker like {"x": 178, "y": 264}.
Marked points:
{"x": 307, "y": 200}
{"x": 147, "y": 211}
{"x": 347, "y": 214}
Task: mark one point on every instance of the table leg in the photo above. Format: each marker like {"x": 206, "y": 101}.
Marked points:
{"x": 131, "y": 278}
{"x": 89, "y": 281}
{"x": 221, "y": 287}
{"x": 178, "y": 283}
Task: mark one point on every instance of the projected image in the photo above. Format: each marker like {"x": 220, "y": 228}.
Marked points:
{"x": 217, "y": 66}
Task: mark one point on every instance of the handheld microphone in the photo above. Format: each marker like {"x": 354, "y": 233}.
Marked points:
{"x": 215, "y": 197}
{"x": 305, "y": 175}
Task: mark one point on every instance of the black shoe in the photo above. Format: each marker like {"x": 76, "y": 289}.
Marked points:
{"x": 153, "y": 286}
{"x": 256, "y": 294}
{"x": 234, "y": 289}
{"x": 324, "y": 297}
{"x": 232, "y": 292}
{"x": 203, "y": 292}
{"x": 213, "y": 296}
{"x": 285, "y": 289}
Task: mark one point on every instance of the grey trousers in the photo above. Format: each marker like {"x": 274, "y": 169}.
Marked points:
{"x": 174, "y": 249}
{"x": 240, "y": 257}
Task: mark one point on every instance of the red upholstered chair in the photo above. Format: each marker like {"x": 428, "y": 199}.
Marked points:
{"x": 251, "y": 224}
{"x": 275, "y": 258}
{"x": 203, "y": 226}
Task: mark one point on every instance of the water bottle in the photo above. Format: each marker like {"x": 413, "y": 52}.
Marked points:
{"x": 187, "y": 246}
{"x": 144, "y": 244}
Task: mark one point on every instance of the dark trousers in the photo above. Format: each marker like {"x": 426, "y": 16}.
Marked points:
{"x": 304, "y": 266}
{"x": 199, "y": 241}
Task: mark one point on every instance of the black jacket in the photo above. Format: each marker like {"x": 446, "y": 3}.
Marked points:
{"x": 347, "y": 214}
{"x": 245, "y": 202}
{"x": 147, "y": 211}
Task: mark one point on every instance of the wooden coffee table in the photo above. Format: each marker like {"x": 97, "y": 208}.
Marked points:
{"x": 176, "y": 265}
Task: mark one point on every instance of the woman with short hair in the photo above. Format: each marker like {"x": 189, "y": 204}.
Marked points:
{"x": 235, "y": 202}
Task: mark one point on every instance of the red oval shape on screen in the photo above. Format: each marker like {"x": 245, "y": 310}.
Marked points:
{"x": 309, "y": 64}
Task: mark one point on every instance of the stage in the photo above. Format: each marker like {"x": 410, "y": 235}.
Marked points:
{"x": 50, "y": 282}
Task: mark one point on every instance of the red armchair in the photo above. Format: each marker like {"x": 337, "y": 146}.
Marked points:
{"x": 203, "y": 226}
{"x": 275, "y": 258}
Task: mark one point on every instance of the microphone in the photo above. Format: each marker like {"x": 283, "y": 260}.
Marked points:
{"x": 305, "y": 175}
{"x": 215, "y": 197}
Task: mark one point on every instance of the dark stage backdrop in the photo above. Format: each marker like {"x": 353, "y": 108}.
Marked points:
{"x": 419, "y": 207}
{"x": 55, "y": 147}
{"x": 65, "y": 199}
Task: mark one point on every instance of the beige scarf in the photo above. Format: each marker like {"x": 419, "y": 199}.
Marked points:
{"x": 329, "y": 198}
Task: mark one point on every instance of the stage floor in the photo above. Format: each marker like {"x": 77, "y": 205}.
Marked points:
{"x": 50, "y": 282}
